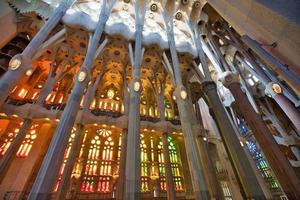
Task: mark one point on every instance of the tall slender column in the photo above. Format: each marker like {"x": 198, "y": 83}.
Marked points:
{"x": 65, "y": 180}
{"x": 198, "y": 180}
{"x": 48, "y": 173}
{"x": 121, "y": 180}
{"x": 133, "y": 157}
{"x": 228, "y": 133}
{"x": 21, "y": 63}
{"x": 210, "y": 173}
{"x": 284, "y": 172}
{"x": 168, "y": 168}
{"x": 13, "y": 148}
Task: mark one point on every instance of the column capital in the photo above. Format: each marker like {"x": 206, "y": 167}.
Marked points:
{"x": 273, "y": 89}
{"x": 208, "y": 85}
{"x": 228, "y": 78}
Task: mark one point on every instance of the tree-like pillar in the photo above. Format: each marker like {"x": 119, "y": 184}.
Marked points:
{"x": 168, "y": 168}
{"x": 121, "y": 180}
{"x": 274, "y": 90}
{"x": 238, "y": 156}
{"x": 197, "y": 176}
{"x": 48, "y": 172}
{"x": 133, "y": 156}
{"x": 210, "y": 172}
{"x": 284, "y": 172}
{"x": 21, "y": 63}
{"x": 65, "y": 180}
{"x": 13, "y": 148}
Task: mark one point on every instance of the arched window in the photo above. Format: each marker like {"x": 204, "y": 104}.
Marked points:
{"x": 101, "y": 164}
{"x": 27, "y": 143}
{"x": 106, "y": 166}
{"x": 66, "y": 155}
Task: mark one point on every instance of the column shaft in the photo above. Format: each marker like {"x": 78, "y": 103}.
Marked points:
{"x": 284, "y": 172}
{"x": 209, "y": 169}
{"x": 13, "y": 148}
{"x": 168, "y": 168}
{"x": 11, "y": 77}
{"x": 289, "y": 109}
{"x": 197, "y": 175}
{"x": 48, "y": 173}
{"x": 133, "y": 157}
{"x": 235, "y": 151}
{"x": 121, "y": 180}
{"x": 65, "y": 180}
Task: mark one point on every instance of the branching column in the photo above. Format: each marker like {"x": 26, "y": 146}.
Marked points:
{"x": 209, "y": 169}
{"x": 238, "y": 157}
{"x": 133, "y": 157}
{"x": 168, "y": 168}
{"x": 284, "y": 172}
{"x": 13, "y": 148}
{"x": 21, "y": 63}
{"x": 198, "y": 180}
{"x": 48, "y": 173}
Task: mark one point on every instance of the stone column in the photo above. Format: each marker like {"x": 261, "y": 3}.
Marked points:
{"x": 284, "y": 172}
{"x": 274, "y": 90}
{"x": 66, "y": 176}
{"x": 197, "y": 175}
{"x": 209, "y": 170}
{"x": 238, "y": 157}
{"x": 168, "y": 168}
{"x": 121, "y": 180}
{"x": 13, "y": 148}
{"x": 48, "y": 173}
{"x": 133, "y": 156}
{"x": 236, "y": 153}
{"x": 21, "y": 63}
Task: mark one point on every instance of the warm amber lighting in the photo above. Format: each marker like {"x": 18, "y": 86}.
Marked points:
{"x": 276, "y": 88}
{"x": 22, "y": 93}
{"x": 183, "y": 94}
{"x": 110, "y": 94}
{"x": 136, "y": 86}
{"x": 29, "y": 72}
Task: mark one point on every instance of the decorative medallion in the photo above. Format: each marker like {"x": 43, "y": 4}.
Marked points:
{"x": 81, "y": 76}
{"x": 15, "y": 62}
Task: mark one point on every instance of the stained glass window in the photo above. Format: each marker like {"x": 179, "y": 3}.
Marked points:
{"x": 66, "y": 155}
{"x": 144, "y": 167}
{"x": 175, "y": 164}
{"x": 99, "y": 170}
{"x": 27, "y": 143}
{"x": 261, "y": 164}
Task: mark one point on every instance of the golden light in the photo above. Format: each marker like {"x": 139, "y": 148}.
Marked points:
{"x": 276, "y": 88}
{"x": 183, "y": 94}
{"x": 29, "y": 72}
{"x": 110, "y": 93}
{"x": 136, "y": 86}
